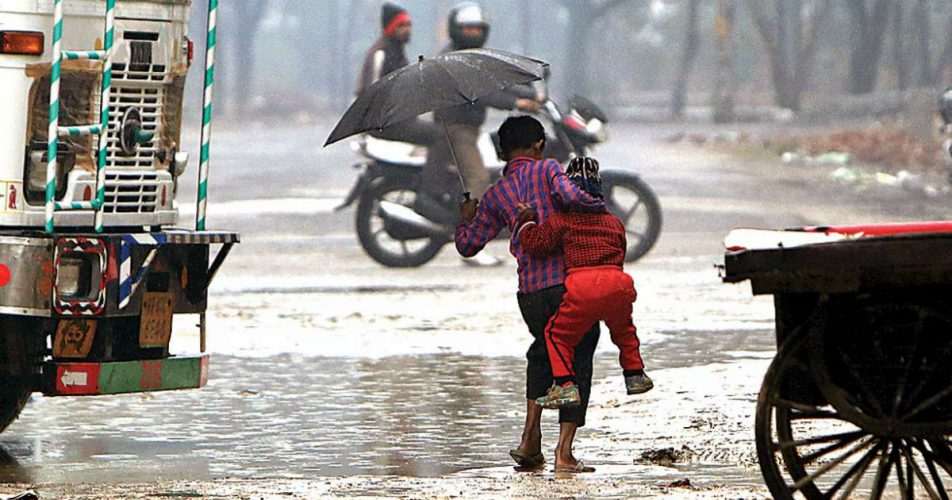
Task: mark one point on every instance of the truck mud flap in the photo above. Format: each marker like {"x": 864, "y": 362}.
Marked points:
{"x": 122, "y": 377}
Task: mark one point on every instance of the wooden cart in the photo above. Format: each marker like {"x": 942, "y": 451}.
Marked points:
{"x": 857, "y": 402}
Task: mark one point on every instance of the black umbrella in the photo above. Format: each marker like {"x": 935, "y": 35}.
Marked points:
{"x": 450, "y": 79}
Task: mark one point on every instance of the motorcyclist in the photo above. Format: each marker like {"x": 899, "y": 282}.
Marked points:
{"x": 385, "y": 56}
{"x": 468, "y": 29}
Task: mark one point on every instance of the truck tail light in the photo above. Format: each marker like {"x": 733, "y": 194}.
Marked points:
{"x": 74, "y": 276}
{"x": 27, "y": 43}
{"x": 190, "y": 50}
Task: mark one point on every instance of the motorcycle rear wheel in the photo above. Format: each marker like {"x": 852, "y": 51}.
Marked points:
{"x": 380, "y": 243}
{"x": 631, "y": 199}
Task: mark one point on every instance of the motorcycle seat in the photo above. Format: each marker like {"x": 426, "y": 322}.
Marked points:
{"x": 400, "y": 153}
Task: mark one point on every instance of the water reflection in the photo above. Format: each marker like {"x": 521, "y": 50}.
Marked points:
{"x": 291, "y": 416}
{"x": 11, "y": 471}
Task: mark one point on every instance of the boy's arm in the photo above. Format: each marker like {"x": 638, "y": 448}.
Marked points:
{"x": 567, "y": 195}
{"x": 537, "y": 239}
{"x": 472, "y": 234}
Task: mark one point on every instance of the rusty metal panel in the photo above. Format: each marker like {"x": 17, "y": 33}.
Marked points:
{"x": 26, "y": 275}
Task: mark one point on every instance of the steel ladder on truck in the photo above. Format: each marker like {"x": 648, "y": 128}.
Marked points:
{"x": 104, "y": 56}
{"x": 101, "y": 129}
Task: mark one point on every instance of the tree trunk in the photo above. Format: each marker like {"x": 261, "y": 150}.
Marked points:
{"x": 786, "y": 90}
{"x": 346, "y": 44}
{"x": 724, "y": 83}
{"x": 526, "y": 15}
{"x": 899, "y": 49}
{"x": 691, "y": 43}
{"x": 945, "y": 59}
{"x": 868, "y": 47}
{"x": 925, "y": 52}
{"x": 577, "y": 57}
{"x": 247, "y": 19}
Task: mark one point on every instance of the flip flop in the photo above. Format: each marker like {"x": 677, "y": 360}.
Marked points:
{"x": 527, "y": 461}
{"x": 579, "y": 468}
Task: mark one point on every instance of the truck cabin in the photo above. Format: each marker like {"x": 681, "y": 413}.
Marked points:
{"x": 150, "y": 60}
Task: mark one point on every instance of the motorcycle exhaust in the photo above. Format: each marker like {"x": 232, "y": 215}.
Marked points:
{"x": 402, "y": 219}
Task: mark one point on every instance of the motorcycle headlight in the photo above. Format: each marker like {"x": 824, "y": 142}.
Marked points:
{"x": 597, "y": 129}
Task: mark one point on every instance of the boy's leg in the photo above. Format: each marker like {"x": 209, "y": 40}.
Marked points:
{"x": 617, "y": 315}
{"x": 537, "y": 308}
{"x": 564, "y": 332}
{"x": 625, "y": 336}
{"x": 570, "y": 419}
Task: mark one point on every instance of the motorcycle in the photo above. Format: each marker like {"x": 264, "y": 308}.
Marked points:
{"x": 393, "y": 234}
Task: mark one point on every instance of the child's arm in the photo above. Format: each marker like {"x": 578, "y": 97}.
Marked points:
{"x": 567, "y": 195}
{"x": 537, "y": 239}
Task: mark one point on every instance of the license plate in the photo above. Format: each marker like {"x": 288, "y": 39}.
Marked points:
{"x": 155, "y": 328}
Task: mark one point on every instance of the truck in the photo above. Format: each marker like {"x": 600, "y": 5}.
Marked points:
{"x": 94, "y": 260}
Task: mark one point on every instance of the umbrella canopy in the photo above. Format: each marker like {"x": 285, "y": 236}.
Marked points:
{"x": 450, "y": 79}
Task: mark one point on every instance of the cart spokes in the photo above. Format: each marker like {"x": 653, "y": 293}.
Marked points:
{"x": 808, "y": 449}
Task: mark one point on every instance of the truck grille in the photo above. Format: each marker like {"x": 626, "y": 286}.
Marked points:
{"x": 149, "y": 101}
{"x": 131, "y": 192}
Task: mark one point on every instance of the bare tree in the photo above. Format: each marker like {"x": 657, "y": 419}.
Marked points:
{"x": 692, "y": 41}
{"x": 900, "y": 64}
{"x": 583, "y": 15}
{"x": 790, "y": 54}
{"x": 245, "y": 19}
{"x": 870, "y": 19}
{"x": 930, "y": 66}
{"x": 724, "y": 82}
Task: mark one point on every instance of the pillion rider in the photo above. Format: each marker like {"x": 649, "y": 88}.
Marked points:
{"x": 385, "y": 56}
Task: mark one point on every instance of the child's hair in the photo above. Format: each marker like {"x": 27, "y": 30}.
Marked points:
{"x": 583, "y": 171}
{"x": 520, "y": 132}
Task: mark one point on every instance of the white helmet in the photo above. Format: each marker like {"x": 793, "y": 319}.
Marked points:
{"x": 468, "y": 14}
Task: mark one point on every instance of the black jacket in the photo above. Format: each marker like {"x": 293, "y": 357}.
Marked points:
{"x": 384, "y": 57}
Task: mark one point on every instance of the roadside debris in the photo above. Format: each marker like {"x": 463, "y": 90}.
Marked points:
{"x": 680, "y": 483}
{"x": 665, "y": 457}
{"x": 882, "y": 146}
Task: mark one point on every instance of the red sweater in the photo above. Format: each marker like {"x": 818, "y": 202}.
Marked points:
{"x": 588, "y": 240}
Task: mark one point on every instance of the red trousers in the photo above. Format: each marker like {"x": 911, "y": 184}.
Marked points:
{"x": 593, "y": 294}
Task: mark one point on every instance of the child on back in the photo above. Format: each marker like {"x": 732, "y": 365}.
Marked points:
{"x": 598, "y": 289}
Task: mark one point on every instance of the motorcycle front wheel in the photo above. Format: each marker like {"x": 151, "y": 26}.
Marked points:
{"x": 385, "y": 242}
{"x": 631, "y": 199}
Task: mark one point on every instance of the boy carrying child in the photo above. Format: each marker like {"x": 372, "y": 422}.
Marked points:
{"x": 598, "y": 289}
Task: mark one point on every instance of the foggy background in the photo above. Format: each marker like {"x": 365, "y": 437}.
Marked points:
{"x": 722, "y": 60}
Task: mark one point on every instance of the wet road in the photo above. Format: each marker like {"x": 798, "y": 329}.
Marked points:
{"x": 326, "y": 364}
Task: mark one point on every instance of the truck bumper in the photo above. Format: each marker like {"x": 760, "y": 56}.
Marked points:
{"x": 122, "y": 377}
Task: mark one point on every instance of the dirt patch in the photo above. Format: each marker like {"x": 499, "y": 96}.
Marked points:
{"x": 881, "y": 146}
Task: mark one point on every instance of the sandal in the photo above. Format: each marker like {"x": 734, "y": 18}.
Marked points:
{"x": 527, "y": 461}
{"x": 579, "y": 468}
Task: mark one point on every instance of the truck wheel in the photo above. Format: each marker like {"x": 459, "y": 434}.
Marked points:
{"x": 19, "y": 356}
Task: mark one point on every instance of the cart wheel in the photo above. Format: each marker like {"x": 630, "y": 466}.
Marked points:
{"x": 884, "y": 365}
{"x": 808, "y": 448}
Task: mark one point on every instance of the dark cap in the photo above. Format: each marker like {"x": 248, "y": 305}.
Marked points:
{"x": 389, "y": 12}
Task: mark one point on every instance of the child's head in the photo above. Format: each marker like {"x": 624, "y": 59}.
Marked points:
{"x": 583, "y": 172}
